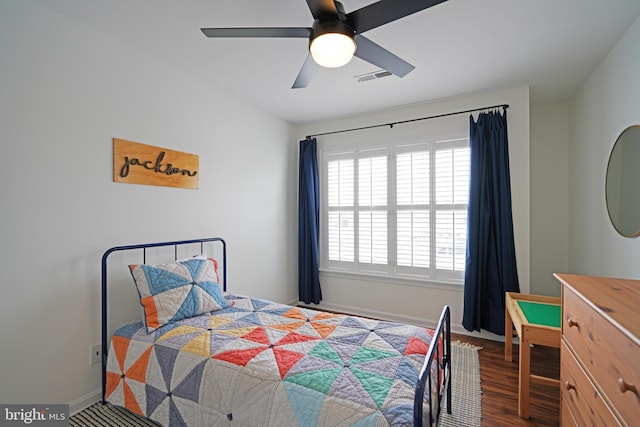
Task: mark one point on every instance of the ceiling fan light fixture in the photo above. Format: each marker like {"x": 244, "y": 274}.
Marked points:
{"x": 332, "y": 44}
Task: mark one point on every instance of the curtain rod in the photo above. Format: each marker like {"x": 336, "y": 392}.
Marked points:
{"x": 391, "y": 124}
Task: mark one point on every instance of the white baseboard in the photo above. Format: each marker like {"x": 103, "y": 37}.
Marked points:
{"x": 85, "y": 401}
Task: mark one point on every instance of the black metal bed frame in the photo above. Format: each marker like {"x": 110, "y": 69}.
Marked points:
{"x": 144, "y": 247}
{"x": 434, "y": 355}
{"x": 443, "y": 359}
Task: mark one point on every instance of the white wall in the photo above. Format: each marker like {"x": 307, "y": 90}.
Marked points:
{"x": 549, "y": 196}
{"x": 65, "y": 92}
{"x": 422, "y": 303}
{"x": 607, "y": 103}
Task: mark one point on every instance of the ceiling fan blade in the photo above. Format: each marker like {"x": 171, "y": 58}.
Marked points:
{"x": 291, "y": 32}
{"x": 377, "y": 55}
{"x": 323, "y": 9}
{"x": 385, "y": 11}
{"x": 307, "y": 71}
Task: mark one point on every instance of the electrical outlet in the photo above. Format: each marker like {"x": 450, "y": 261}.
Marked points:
{"x": 95, "y": 354}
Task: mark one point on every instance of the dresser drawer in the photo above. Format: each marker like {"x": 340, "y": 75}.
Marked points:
{"x": 579, "y": 394}
{"x": 566, "y": 418}
{"x": 605, "y": 351}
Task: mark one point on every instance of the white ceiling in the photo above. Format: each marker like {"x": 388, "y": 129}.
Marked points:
{"x": 457, "y": 47}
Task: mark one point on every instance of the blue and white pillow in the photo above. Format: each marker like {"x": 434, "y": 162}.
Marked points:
{"x": 177, "y": 290}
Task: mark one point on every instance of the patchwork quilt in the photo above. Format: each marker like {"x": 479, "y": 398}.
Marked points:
{"x": 260, "y": 363}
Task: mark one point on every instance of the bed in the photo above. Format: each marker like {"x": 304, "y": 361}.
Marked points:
{"x": 203, "y": 357}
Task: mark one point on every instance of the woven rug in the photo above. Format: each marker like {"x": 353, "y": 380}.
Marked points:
{"x": 466, "y": 407}
{"x": 99, "y": 415}
{"x": 465, "y": 381}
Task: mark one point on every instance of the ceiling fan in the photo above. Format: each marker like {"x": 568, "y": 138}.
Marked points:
{"x": 336, "y": 36}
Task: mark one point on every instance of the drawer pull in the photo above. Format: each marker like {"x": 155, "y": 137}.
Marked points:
{"x": 572, "y": 323}
{"x": 569, "y": 386}
{"x": 624, "y": 387}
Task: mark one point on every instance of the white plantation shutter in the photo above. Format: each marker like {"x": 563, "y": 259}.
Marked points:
{"x": 372, "y": 237}
{"x": 412, "y": 171}
{"x": 452, "y": 175}
{"x": 462, "y": 172}
{"x": 460, "y": 240}
{"x": 399, "y": 210}
{"x": 412, "y": 198}
{"x": 340, "y": 189}
{"x": 452, "y": 163}
{"x": 372, "y": 220}
{"x": 413, "y": 238}
{"x": 341, "y": 236}
{"x": 340, "y": 224}
{"x": 372, "y": 181}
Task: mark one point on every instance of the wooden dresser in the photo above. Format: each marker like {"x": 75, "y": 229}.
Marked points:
{"x": 600, "y": 351}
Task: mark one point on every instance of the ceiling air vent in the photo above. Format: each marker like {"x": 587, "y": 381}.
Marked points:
{"x": 372, "y": 76}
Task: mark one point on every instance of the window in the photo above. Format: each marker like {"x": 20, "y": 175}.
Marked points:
{"x": 398, "y": 210}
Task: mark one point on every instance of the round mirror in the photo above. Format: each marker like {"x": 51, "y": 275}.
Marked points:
{"x": 623, "y": 183}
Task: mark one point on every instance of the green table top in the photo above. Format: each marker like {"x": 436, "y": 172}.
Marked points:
{"x": 541, "y": 314}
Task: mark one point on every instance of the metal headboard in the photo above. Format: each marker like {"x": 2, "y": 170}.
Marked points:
{"x": 143, "y": 247}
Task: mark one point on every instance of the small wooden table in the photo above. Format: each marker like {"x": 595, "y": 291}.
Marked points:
{"x": 536, "y": 319}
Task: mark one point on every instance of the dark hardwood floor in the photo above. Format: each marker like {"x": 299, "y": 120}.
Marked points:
{"x": 500, "y": 385}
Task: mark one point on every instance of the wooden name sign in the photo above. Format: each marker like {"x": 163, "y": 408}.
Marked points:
{"x": 135, "y": 163}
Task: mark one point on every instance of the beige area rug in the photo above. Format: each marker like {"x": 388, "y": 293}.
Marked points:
{"x": 466, "y": 408}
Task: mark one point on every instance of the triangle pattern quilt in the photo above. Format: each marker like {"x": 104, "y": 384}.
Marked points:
{"x": 256, "y": 362}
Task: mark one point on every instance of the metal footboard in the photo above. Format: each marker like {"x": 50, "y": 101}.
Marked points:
{"x": 440, "y": 354}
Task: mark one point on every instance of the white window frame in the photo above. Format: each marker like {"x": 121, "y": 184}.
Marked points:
{"x": 353, "y": 266}
{"x": 356, "y": 151}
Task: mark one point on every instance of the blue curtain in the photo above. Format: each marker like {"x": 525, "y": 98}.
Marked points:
{"x": 491, "y": 258}
{"x": 308, "y": 223}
